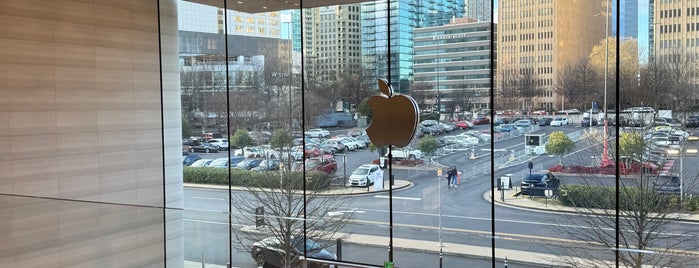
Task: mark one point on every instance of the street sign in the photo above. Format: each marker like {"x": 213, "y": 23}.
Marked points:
{"x": 388, "y": 264}
{"x": 259, "y": 217}
{"x": 439, "y": 172}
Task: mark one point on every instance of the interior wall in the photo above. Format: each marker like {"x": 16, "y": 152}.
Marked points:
{"x": 81, "y": 133}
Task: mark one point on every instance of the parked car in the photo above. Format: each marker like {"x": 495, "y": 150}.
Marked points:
{"x": 225, "y": 162}
{"x": 270, "y": 252}
{"x": 406, "y": 153}
{"x": 537, "y": 183}
{"x": 692, "y": 121}
{"x": 666, "y": 184}
{"x": 267, "y": 165}
{"x": 481, "y": 120}
{"x": 448, "y": 127}
{"x": 585, "y": 122}
{"x": 462, "y": 125}
{"x": 325, "y": 164}
{"x": 317, "y": 133}
{"x": 188, "y": 159}
{"x": 201, "y": 162}
{"x": 248, "y": 163}
{"x": 545, "y": 121}
{"x": 559, "y": 121}
{"x": 339, "y": 147}
{"x": 661, "y": 121}
{"x": 505, "y": 128}
{"x": 523, "y": 123}
{"x": 200, "y": 146}
{"x": 220, "y": 142}
{"x": 361, "y": 176}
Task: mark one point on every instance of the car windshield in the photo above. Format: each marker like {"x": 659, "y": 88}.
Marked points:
{"x": 361, "y": 171}
{"x": 535, "y": 177}
{"x": 311, "y": 163}
{"x": 310, "y": 245}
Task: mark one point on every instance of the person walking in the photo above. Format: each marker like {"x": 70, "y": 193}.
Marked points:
{"x": 453, "y": 176}
{"x": 448, "y": 177}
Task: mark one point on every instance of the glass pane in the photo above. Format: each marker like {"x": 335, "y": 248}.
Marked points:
{"x": 203, "y": 86}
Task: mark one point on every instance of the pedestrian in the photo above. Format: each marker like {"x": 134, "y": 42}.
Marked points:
{"x": 448, "y": 177}
{"x": 453, "y": 176}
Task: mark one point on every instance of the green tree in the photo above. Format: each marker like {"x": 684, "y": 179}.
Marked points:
{"x": 428, "y": 145}
{"x": 280, "y": 139}
{"x": 241, "y": 138}
{"x": 630, "y": 143}
{"x": 186, "y": 128}
{"x": 559, "y": 144}
{"x": 363, "y": 108}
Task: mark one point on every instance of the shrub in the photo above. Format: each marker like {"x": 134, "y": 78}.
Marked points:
{"x": 315, "y": 180}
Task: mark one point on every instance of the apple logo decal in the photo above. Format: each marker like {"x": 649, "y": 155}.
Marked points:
{"x": 394, "y": 119}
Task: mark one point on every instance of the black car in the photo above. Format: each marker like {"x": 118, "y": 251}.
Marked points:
{"x": 667, "y": 184}
{"x": 545, "y": 121}
{"x": 270, "y": 252}
{"x": 692, "y": 121}
{"x": 248, "y": 163}
{"x": 585, "y": 122}
{"x": 537, "y": 183}
{"x": 200, "y": 146}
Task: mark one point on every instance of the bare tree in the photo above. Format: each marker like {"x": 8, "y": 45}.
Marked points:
{"x": 289, "y": 216}
{"x": 527, "y": 86}
{"x": 646, "y": 235}
{"x": 578, "y": 82}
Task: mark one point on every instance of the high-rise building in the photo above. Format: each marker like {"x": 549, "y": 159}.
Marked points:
{"x": 479, "y": 9}
{"x": 331, "y": 41}
{"x": 452, "y": 65}
{"x": 538, "y": 39}
{"x": 675, "y": 29}
{"x": 628, "y": 17}
{"x": 209, "y": 19}
{"x": 406, "y": 15}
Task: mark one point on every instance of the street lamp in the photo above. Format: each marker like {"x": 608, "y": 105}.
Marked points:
{"x": 605, "y": 151}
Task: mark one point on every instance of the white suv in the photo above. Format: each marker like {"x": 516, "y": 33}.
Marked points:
{"x": 364, "y": 175}
{"x": 406, "y": 153}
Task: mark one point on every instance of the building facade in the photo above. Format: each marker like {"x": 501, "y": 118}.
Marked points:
{"x": 479, "y": 10}
{"x": 407, "y": 14}
{"x": 452, "y": 66}
{"x": 536, "y": 41}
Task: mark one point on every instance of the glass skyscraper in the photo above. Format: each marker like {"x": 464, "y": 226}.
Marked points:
{"x": 405, "y": 15}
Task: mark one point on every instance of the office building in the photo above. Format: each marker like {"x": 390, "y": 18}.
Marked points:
{"x": 410, "y": 14}
{"x": 452, "y": 65}
{"x": 479, "y": 10}
{"x": 538, "y": 39}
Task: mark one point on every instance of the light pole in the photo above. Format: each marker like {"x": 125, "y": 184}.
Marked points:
{"x": 605, "y": 151}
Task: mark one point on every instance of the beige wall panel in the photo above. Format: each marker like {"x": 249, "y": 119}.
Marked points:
{"x": 72, "y": 143}
{"x": 34, "y": 122}
{"x": 25, "y": 103}
{"x": 28, "y": 77}
{"x": 30, "y": 28}
{"x": 76, "y": 122}
{"x": 27, "y": 52}
{"x": 69, "y": 33}
{"x": 28, "y": 8}
{"x": 114, "y": 58}
{"x": 32, "y": 181}
{"x": 30, "y": 147}
{"x": 77, "y": 12}
{"x": 83, "y": 77}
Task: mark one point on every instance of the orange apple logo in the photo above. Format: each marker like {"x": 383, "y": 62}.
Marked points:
{"x": 394, "y": 119}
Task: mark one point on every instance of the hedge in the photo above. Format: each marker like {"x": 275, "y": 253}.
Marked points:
{"x": 316, "y": 180}
{"x": 602, "y": 197}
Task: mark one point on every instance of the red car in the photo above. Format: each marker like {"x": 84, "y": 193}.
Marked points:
{"x": 481, "y": 121}
{"x": 461, "y": 125}
{"x": 325, "y": 164}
